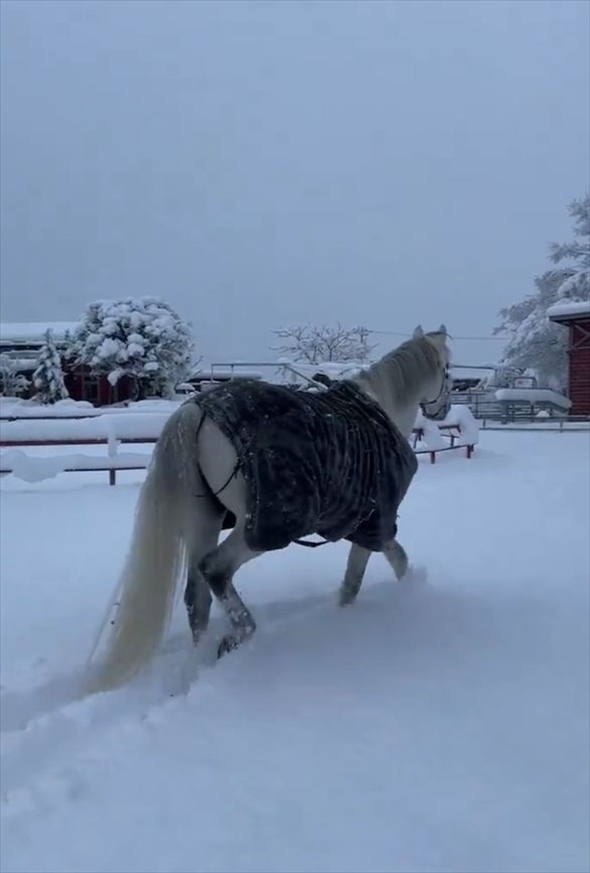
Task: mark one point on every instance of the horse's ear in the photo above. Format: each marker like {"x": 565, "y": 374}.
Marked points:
{"x": 418, "y": 333}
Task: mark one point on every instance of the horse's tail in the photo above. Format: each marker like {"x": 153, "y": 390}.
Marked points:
{"x": 145, "y": 595}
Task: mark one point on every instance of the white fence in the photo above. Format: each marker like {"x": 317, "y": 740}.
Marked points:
{"x": 83, "y": 439}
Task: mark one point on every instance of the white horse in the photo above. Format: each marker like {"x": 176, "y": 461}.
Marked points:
{"x": 194, "y": 481}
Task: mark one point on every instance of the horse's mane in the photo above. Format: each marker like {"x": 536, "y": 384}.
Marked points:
{"x": 410, "y": 364}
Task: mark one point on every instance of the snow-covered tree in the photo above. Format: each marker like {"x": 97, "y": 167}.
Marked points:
{"x": 503, "y": 376}
{"x": 316, "y": 345}
{"x": 536, "y": 344}
{"x": 576, "y": 277}
{"x": 12, "y": 383}
{"x": 48, "y": 377}
{"x": 142, "y": 338}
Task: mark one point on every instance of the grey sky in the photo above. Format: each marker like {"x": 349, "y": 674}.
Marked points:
{"x": 267, "y": 162}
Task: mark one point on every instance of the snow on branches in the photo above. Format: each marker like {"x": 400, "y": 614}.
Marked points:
{"x": 316, "y": 345}
{"x": 12, "y": 383}
{"x": 142, "y": 338}
{"x": 537, "y": 344}
{"x": 48, "y": 377}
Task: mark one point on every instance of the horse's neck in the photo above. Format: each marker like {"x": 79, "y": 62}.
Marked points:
{"x": 405, "y": 419}
{"x": 403, "y": 414}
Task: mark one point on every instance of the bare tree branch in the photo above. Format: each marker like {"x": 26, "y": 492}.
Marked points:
{"x": 317, "y": 344}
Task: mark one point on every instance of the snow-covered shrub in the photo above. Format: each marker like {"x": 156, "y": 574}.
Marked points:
{"x": 48, "y": 377}
{"x": 12, "y": 383}
{"x": 142, "y": 338}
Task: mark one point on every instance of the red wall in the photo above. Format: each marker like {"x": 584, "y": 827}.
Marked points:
{"x": 96, "y": 390}
{"x": 579, "y": 367}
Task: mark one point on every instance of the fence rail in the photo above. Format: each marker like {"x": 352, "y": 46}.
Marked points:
{"x": 486, "y": 408}
{"x": 25, "y": 465}
{"x": 117, "y": 432}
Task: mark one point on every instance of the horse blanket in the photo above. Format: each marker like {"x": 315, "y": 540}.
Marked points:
{"x": 328, "y": 462}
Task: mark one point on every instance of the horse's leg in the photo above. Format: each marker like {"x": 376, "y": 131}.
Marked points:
{"x": 218, "y": 568}
{"x": 204, "y": 536}
{"x": 397, "y": 558}
{"x": 358, "y": 558}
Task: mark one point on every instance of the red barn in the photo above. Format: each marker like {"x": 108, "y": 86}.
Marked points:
{"x": 576, "y": 317}
{"x": 22, "y": 344}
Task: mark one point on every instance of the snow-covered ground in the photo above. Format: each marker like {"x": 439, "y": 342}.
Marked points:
{"x": 437, "y": 725}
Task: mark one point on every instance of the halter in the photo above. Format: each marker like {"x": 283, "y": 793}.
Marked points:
{"x": 440, "y": 393}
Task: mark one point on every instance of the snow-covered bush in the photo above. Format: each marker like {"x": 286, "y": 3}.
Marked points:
{"x": 48, "y": 377}
{"x": 12, "y": 383}
{"x": 142, "y": 338}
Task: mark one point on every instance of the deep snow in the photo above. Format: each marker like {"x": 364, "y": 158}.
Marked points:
{"x": 437, "y": 725}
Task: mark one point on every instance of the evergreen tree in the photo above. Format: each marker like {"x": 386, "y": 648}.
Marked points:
{"x": 48, "y": 377}
{"x": 537, "y": 344}
{"x": 576, "y": 278}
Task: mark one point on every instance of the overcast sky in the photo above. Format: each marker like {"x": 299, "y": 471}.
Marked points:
{"x": 264, "y": 162}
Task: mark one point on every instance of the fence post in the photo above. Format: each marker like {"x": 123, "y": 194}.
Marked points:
{"x": 113, "y": 445}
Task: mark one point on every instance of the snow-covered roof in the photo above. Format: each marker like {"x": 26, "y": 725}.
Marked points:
{"x": 23, "y": 364}
{"x": 34, "y": 331}
{"x": 569, "y": 309}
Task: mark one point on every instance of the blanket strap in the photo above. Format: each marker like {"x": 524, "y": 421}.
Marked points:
{"x": 233, "y": 473}
{"x": 311, "y": 545}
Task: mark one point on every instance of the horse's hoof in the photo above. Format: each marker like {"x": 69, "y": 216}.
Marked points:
{"x": 346, "y": 599}
{"x": 226, "y": 645}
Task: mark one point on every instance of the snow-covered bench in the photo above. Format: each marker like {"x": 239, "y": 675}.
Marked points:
{"x": 458, "y": 430}
{"x": 529, "y": 402}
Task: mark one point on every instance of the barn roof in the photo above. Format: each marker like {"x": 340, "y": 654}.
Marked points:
{"x": 571, "y": 309}
{"x": 34, "y": 331}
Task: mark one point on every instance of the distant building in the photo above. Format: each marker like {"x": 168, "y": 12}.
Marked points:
{"x": 576, "y": 318}
{"x": 22, "y": 343}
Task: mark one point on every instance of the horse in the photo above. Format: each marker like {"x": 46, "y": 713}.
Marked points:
{"x": 198, "y": 484}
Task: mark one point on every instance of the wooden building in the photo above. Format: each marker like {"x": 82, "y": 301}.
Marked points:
{"x": 575, "y": 317}
{"x": 22, "y": 344}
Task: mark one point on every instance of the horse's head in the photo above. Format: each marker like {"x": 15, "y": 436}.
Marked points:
{"x": 416, "y": 374}
{"x": 436, "y": 402}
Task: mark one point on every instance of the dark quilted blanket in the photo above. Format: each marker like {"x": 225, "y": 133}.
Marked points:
{"x": 327, "y": 462}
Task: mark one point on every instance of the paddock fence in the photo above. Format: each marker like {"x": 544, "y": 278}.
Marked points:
{"x": 116, "y": 432}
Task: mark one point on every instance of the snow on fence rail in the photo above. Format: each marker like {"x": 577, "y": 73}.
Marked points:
{"x": 34, "y": 469}
{"x": 458, "y": 430}
{"x": 111, "y": 430}
{"x": 136, "y": 427}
